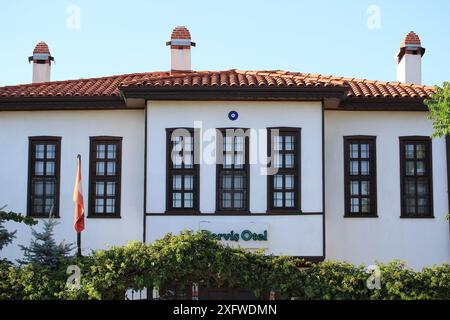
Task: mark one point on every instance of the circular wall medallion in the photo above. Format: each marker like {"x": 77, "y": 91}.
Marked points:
{"x": 233, "y": 115}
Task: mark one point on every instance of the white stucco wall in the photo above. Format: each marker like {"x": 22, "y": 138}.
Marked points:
{"x": 75, "y": 128}
{"x": 364, "y": 240}
{"x": 290, "y": 235}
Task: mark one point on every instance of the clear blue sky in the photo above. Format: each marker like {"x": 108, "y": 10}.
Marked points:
{"x": 330, "y": 37}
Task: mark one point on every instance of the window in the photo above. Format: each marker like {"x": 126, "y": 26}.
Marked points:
{"x": 232, "y": 168}
{"x": 182, "y": 183}
{"x": 283, "y": 177}
{"x": 416, "y": 177}
{"x": 43, "y": 176}
{"x": 360, "y": 176}
{"x": 105, "y": 177}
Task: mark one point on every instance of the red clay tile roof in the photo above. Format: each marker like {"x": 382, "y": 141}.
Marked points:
{"x": 411, "y": 39}
{"x": 41, "y": 48}
{"x": 110, "y": 86}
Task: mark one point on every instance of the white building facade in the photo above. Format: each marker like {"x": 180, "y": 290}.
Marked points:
{"x": 292, "y": 164}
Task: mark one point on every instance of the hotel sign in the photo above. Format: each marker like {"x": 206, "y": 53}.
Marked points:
{"x": 245, "y": 235}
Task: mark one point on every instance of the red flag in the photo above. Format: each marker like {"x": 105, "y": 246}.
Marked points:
{"x": 78, "y": 199}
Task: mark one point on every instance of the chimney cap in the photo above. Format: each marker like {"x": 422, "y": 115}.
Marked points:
{"x": 411, "y": 39}
{"x": 41, "y": 48}
{"x": 41, "y": 53}
{"x": 180, "y": 39}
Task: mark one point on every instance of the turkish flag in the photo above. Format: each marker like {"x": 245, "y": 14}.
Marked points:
{"x": 78, "y": 199}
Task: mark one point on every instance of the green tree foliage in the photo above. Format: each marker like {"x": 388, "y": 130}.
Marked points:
{"x": 197, "y": 258}
{"x": 43, "y": 250}
{"x": 439, "y": 106}
{"x": 6, "y": 237}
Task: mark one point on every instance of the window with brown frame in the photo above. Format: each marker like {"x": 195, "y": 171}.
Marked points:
{"x": 416, "y": 177}
{"x": 44, "y": 160}
{"x": 360, "y": 176}
{"x": 183, "y": 181}
{"x": 232, "y": 171}
{"x": 105, "y": 177}
{"x": 283, "y": 184}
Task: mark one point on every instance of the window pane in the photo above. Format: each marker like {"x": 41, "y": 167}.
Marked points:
{"x": 100, "y": 151}
{"x": 365, "y": 168}
{"x": 111, "y": 168}
{"x": 188, "y": 182}
{"x": 50, "y": 168}
{"x": 188, "y": 144}
{"x": 177, "y": 160}
{"x": 188, "y": 200}
{"x": 239, "y": 144}
{"x": 289, "y": 143}
{"x": 365, "y": 151}
{"x": 38, "y": 205}
{"x": 365, "y": 188}
{"x": 227, "y": 182}
{"x": 354, "y": 188}
{"x": 50, "y": 188}
{"x": 354, "y": 150}
{"x": 188, "y": 160}
{"x": 49, "y": 206}
{"x": 410, "y": 187}
{"x": 420, "y": 170}
{"x": 354, "y": 205}
{"x": 40, "y": 151}
{"x": 39, "y": 168}
{"x": 177, "y": 179}
{"x": 365, "y": 205}
{"x": 38, "y": 188}
{"x": 228, "y": 161}
{"x": 176, "y": 200}
{"x": 111, "y": 151}
{"x": 238, "y": 182}
{"x": 409, "y": 168}
{"x": 278, "y": 181}
{"x": 110, "y": 189}
{"x": 100, "y": 169}
{"x": 228, "y": 144}
{"x": 420, "y": 149}
{"x": 238, "y": 200}
{"x": 110, "y": 205}
{"x": 51, "y": 151}
{"x": 411, "y": 206}
{"x": 289, "y": 200}
{"x": 289, "y": 160}
{"x": 99, "y": 205}
{"x": 278, "y": 199}
{"x": 422, "y": 206}
{"x": 354, "y": 168}
{"x": 289, "y": 181}
{"x": 99, "y": 189}
{"x": 239, "y": 161}
{"x": 278, "y": 143}
{"x": 409, "y": 151}
{"x": 277, "y": 160}
{"x": 226, "y": 200}
{"x": 177, "y": 143}
{"x": 422, "y": 187}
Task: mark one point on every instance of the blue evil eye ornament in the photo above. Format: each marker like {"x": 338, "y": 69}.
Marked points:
{"x": 233, "y": 115}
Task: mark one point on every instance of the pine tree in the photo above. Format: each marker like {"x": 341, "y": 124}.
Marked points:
{"x": 43, "y": 249}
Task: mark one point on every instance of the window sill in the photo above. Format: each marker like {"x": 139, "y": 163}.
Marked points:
{"x": 412, "y": 217}
{"x": 103, "y": 217}
{"x": 182, "y": 212}
{"x": 284, "y": 212}
{"x": 42, "y": 217}
{"x": 360, "y": 216}
{"x": 232, "y": 213}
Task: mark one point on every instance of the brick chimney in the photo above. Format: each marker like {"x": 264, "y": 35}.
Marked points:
{"x": 180, "y": 49}
{"x": 42, "y": 61}
{"x": 409, "y": 60}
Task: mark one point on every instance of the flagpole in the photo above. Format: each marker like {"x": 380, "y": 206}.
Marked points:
{"x": 79, "y": 233}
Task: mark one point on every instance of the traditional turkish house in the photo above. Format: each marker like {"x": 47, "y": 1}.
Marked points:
{"x": 299, "y": 164}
